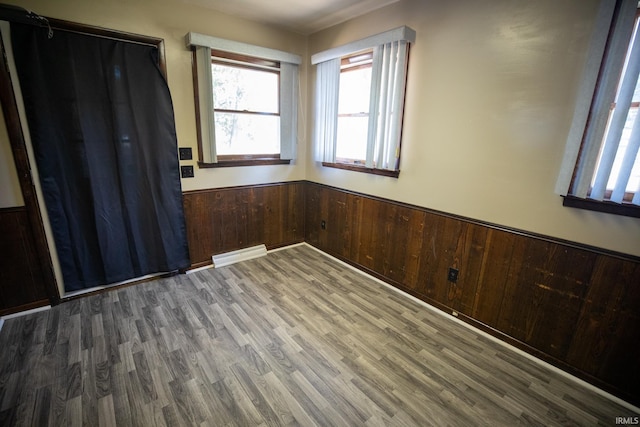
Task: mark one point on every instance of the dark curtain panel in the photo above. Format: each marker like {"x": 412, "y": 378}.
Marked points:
{"x": 102, "y": 126}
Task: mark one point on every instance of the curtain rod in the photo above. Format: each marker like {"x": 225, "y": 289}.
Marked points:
{"x": 21, "y": 15}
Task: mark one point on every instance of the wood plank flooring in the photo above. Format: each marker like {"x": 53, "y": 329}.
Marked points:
{"x": 293, "y": 338}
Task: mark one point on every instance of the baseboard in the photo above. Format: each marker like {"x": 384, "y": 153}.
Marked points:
{"x": 245, "y": 254}
{"x": 25, "y": 312}
{"x": 293, "y": 245}
{"x": 199, "y": 268}
{"x": 110, "y": 286}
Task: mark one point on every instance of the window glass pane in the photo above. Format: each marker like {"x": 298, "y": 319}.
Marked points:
{"x": 355, "y": 87}
{"x": 352, "y": 138}
{"x": 634, "y": 179}
{"x": 238, "y": 88}
{"x": 354, "y": 91}
{"x": 238, "y": 133}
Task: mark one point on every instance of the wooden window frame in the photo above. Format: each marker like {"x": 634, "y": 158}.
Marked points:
{"x": 358, "y": 165}
{"x": 364, "y": 59}
{"x": 626, "y": 208}
{"x": 240, "y": 61}
{"x": 356, "y": 168}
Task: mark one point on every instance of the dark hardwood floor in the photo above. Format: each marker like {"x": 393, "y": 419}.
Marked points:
{"x": 293, "y": 338}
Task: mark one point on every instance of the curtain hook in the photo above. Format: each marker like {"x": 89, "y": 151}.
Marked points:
{"x": 42, "y": 21}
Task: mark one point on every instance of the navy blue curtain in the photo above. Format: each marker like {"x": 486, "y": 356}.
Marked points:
{"x": 102, "y": 127}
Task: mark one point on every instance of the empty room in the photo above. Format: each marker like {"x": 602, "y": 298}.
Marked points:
{"x": 320, "y": 212}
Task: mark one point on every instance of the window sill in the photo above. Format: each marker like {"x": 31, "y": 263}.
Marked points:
{"x": 363, "y": 169}
{"x": 243, "y": 162}
{"x": 625, "y": 209}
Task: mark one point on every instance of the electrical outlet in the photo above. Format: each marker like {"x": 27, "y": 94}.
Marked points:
{"x": 186, "y": 171}
{"x": 453, "y": 275}
{"x": 323, "y": 224}
{"x": 185, "y": 153}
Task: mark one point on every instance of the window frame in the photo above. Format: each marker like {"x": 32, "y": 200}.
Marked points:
{"x": 231, "y": 160}
{"x": 628, "y": 196}
{"x": 346, "y": 66}
{"x": 612, "y": 20}
{"x": 201, "y": 46}
{"x": 379, "y": 148}
{"x": 358, "y": 165}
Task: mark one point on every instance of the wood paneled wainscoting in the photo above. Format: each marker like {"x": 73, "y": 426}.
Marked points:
{"x": 21, "y": 277}
{"x": 574, "y": 306}
{"x": 226, "y": 219}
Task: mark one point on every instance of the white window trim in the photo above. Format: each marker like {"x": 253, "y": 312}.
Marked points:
{"x": 397, "y": 34}
{"x": 289, "y": 90}
{"x": 594, "y": 99}
{"x": 205, "y": 99}
{"x": 239, "y": 48}
{"x": 387, "y": 94}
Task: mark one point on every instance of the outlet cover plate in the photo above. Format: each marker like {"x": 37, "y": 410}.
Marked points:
{"x": 453, "y": 275}
{"x": 186, "y": 171}
{"x": 185, "y": 153}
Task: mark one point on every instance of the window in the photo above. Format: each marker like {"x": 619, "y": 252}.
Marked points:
{"x": 359, "y": 103}
{"x": 605, "y": 168}
{"x": 246, "y": 103}
{"x": 353, "y": 108}
{"x": 246, "y": 108}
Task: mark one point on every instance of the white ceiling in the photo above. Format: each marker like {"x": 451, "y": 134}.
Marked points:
{"x": 301, "y": 16}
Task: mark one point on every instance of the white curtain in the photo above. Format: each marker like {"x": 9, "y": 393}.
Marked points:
{"x": 288, "y": 110}
{"x": 588, "y": 82}
{"x": 614, "y": 133}
{"x": 626, "y": 168}
{"x": 205, "y": 104}
{"x": 326, "y": 110}
{"x": 585, "y": 151}
{"x": 388, "y": 80}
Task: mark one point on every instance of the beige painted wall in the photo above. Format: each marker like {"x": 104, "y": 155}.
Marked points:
{"x": 171, "y": 20}
{"x": 491, "y": 93}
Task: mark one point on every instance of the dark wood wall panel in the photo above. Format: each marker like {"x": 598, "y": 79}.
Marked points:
{"x": 607, "y": 338}
{"x": 21, "y": 277}
{"x": 574, "y": 306}
{"x": 227, "y": 219}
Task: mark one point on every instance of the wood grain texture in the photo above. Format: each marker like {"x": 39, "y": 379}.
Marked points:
{"x": 227, "y": 219}
{"x": 573, "y": 306}
{"x": 21, "y": 277}
{"x": 293, "y": 338}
